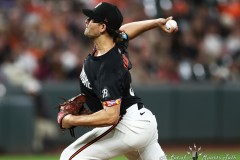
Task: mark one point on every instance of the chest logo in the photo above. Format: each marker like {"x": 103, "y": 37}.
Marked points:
{"x": 84, "y": 79}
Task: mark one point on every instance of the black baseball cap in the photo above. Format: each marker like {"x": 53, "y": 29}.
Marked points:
{"x": 106, "y": 13}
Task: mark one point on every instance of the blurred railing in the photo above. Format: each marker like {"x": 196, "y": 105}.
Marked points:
{"x": 196, "y": 112}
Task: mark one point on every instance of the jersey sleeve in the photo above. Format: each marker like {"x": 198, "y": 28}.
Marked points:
{"x": 123, "y": 48}
{"x": 111, "y": 89}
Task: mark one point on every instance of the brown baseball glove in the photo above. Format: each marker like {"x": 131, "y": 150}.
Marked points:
{"x": 74, "y": 106}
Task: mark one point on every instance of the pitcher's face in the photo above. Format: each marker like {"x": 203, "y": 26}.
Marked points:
{"x": 93, "y": 29}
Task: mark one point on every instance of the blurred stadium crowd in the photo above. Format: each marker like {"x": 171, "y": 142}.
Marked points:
{"x": 43, "y": 40}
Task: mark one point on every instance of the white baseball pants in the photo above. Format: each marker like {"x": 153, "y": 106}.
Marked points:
{"x": 135, "y": 136}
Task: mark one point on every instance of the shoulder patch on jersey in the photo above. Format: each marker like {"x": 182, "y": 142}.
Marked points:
{"x": 105, "y": 93}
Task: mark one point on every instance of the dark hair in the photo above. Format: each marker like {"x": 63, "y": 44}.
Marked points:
{"x": 115, "y": 34}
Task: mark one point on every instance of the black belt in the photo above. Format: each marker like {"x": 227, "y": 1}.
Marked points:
{"x": 140, "y": 106}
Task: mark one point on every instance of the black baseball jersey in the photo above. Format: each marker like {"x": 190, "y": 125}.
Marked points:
{"x": 106, "y": 79}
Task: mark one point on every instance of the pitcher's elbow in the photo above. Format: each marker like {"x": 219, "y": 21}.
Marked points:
{"x": 113, "y": 120}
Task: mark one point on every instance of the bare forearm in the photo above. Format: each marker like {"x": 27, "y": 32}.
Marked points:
{"x": 135, "y": 28}
{"x": 98, "y": 119}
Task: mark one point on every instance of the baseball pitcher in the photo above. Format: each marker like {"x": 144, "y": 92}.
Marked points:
{"x": 123, "y": 125}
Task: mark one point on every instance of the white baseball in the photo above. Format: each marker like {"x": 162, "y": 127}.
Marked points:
{"x": 171, "y": 24}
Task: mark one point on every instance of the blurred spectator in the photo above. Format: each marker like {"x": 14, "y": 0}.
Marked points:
{"x": 45, "y": 130}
